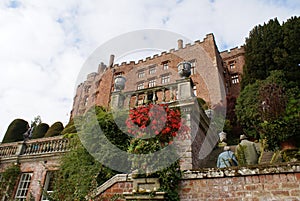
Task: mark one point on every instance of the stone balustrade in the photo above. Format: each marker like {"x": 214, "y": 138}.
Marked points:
{"x": 34, "y": 147}
{"x": 8, "y": 149}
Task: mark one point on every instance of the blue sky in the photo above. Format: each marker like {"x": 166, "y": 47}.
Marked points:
{"x": 43, "y": 44}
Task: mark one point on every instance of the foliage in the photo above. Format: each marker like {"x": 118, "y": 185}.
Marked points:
{"x": 80, "y": 173}
{"x": 40, "y": 130}
{"x": 156, "y": 120}
{"x": 272, "y": 47}
{"x": 8, "y": 181}
{"x": 286, "y": 125}
{"x": 55, "y": 129}
{"x": 169, "y": 179}
{"x": 36, "y": 121}
{"x": 15, "y": 131}
{"x": 270, "y": 109}
{"x": 240, "y": 155}
{"x": 155, "y": 126}
{"x": 70, "y": 128}
{"x": 77, "y": 175}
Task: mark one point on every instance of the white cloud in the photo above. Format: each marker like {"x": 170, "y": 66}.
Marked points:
{"x": 43, "y": 44}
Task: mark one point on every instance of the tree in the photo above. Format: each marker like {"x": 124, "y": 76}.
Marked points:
{"x": 55, "y": 129}
{"x": 15, "y": 131}
{"x": 260, "y": 47}
{"x": 40, "y": 130}
{"x": 269, "y": 109}
{"x": 247, "y": 109}
{"x": 36, "y": 121}
{"x": 273, "y": 47}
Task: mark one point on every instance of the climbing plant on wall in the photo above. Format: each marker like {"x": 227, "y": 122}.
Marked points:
{"x": 8, "y": 181}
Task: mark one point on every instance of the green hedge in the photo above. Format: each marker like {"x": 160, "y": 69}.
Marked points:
{"x": 40, "y": 131}
{"x": 15, "y": 131}
{"x": 55, "y": 129}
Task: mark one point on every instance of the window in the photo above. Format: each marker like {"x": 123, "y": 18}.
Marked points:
{"x": 140, "y": 86}
{"x": 141, "y": 74}
{"x": 152, "y": 70}
{"x": 231, "y": 64}
{"x": 152, "y": 83}
{"x": 48, "y": 186}
{"x": 193, "y": 66}
{"x": 23, "y": 186}
{"x": 165, "y": 79}
{"x": 195, "y": 90}
{"x": 235, "y": 79}
{"x": 85, "y": 101}
{"x": 165, "y": 66}
{"x": 87, "y": 89}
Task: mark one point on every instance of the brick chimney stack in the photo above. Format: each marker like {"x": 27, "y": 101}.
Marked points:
{"x": 180, "y": 44}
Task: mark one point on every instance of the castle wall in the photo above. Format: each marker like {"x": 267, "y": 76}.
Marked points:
{"x": 206, "y": 71}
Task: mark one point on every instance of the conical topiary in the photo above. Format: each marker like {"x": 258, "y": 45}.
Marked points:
{"x": 15, "y": 131}
{"x": 55, "y": 129}
{"x": 40, "y": 130}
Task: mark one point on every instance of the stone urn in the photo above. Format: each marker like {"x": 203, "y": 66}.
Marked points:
{"x": 119, "y": 83}
{"x": 184, "y": 69}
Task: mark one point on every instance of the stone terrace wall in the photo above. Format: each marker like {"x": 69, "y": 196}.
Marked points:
{"x": 277, "y": 187}
{"x": 274, "y": 183}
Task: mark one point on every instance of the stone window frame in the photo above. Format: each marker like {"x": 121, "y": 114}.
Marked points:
{"x": 85, "y": 100}
{"x": 231, "y": 64}
{"x": 87, "y": 88}
{"x": 23, "y": 186}
{"x": 235, "y": 79}
{"x": 165, "y": 65}
{"x": 193, "y": 66}
{"x": 141, "y": 74}
{"x": 165, "y": 79}
{"x": 152, "y": 82}
{"x": 152, "y": 70}
{"x": 140, "y": 85}
{"x": 48, "y": 179}
{"x": 195, "y": 89}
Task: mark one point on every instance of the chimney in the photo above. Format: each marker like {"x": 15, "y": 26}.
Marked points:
{"x": 180, "y": 44}
{"x": 111, "y": 60}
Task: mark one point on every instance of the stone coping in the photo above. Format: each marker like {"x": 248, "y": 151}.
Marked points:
{"x": 215, "y": 173}
{"x": 115, "y": 179}
{"x": 242, "y": 171}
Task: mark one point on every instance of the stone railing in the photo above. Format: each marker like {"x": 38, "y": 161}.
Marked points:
{"x": 46, "y": 146}
{"x": 33, "y": 147}
{"x": 9, "y": 149}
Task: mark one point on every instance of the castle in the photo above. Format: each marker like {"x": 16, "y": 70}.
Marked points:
{"x": 211, "y": 71}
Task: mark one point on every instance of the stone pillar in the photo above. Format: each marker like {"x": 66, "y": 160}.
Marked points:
{"x": 136, "y": 99}
{"x": 146, "y": 97}
{"x": 117, "y": 100}
{"x": 184, "y": 88}
{"x": 145, "y": 189}
{"x": 163, "y": 95}
{"x": 154, "y": 97}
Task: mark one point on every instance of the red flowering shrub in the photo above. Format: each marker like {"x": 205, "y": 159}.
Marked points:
{"x": 160, "y": 121}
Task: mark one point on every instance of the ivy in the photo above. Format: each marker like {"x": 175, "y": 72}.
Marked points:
{"x": 8, "y": 181}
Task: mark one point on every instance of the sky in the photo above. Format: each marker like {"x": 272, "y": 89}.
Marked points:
{"x": 44, "y": 43}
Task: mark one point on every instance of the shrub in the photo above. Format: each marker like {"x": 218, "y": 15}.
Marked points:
{"x": 40, "y": 131}
{"x": 15, "y": 131}
{"x": 55, "y": 129}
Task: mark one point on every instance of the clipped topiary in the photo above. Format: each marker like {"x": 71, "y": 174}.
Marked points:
{"x": 15, "y": 131}
{"x": 55, "y": 129}
{"x": 70, "y": 128}
{"x": 40, "y": 130}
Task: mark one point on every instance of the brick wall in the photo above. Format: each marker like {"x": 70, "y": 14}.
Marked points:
{"x": 115, "y": 190}
{"x": 276, "y": 183}
{"x": 284, "y": 186}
